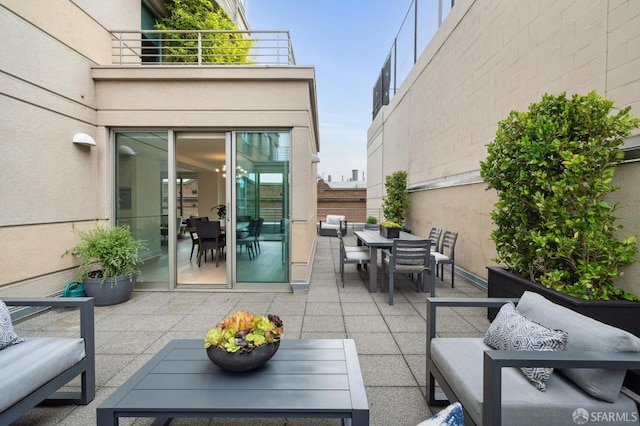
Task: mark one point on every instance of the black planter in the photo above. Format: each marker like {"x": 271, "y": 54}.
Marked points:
{"x": 245, "y": 361}
{"x": 617, "y": 313}
{"x": 112, "y": 291}
{"x": 389, "y": 232}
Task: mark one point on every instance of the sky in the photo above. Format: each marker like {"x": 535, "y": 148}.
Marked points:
{"x": 347, "y": 42}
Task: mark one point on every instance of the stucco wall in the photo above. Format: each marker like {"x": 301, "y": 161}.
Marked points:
{"x": 488, "y": 58}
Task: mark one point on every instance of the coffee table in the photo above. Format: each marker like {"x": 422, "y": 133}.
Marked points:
{"x": 306, "y": 378}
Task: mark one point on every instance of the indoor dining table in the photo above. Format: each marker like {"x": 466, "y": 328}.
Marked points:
{"x": 375, "y": 241}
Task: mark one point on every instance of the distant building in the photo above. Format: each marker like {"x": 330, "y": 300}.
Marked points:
{"x": 348, "y": 198}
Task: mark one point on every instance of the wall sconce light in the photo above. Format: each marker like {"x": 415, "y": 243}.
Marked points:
{"x": 83, "y": 139}
{"x": 315, "y": 158}
{"x": 126, "y": 150}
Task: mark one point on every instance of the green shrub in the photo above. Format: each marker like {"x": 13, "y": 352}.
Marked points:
{"x": 114, "y": 251}
{"x": 552, "y": 168}
{"x": 371, "y": 220}
{"x": 395, "y": 205}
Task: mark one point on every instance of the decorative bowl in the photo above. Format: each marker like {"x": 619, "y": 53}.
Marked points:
{"x": 242, "y": 361}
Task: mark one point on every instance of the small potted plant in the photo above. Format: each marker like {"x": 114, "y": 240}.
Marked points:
{"x": 221, "y": 211}
{"x": 108, "y": 267}
{"x": 243, "y": 341}
{"x": 371, "y": 223}
{"x": 389, "y": 229}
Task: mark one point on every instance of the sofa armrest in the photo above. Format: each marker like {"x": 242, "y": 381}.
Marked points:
{"x": 85, "y": 304}
{"x": 433, "y": 303}
{"x": 495, "y": 361}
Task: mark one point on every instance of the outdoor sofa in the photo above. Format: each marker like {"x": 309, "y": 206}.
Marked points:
{"x": 585, "y": 385}
{"x": 34, "y": 371}
{"x": 331, "y": 225}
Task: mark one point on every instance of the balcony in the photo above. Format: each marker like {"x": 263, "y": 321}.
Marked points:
{"x": 202, "y": 48}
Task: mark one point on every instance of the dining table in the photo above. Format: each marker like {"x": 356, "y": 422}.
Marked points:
{"x": 375, "y": 242}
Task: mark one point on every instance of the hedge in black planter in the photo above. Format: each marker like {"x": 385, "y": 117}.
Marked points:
{"x": 108, "y": 267}
{"x": 552, "y": 167}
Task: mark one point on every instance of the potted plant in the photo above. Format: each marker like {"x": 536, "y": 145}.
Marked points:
{"x": 108, "y": 267}
{"x": 371, "y": 220}
{"x": 243, "y": 341}
{"x": 389, "y": 229}
{"x": 395, "y": 205}
{"x": 552, "y": 167}
{"x": 221, "y": 211}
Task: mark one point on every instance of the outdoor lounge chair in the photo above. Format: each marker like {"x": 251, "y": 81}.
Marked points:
{"x": 331, "y": 225}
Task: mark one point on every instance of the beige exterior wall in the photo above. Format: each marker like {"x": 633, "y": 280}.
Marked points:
{"x": 56, "y": 80}
{"x": 490, "y": 57}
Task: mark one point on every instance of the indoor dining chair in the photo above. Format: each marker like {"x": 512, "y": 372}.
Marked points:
{"x": 211, "y": 238}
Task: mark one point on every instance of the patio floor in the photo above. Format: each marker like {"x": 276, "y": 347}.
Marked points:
{"x": 390, "y": 339}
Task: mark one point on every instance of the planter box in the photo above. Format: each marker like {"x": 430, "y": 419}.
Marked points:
{"x": 390, "y": 232}
{"x": 617, "y": 313}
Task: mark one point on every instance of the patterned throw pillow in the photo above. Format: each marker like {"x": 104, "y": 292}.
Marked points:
{"x": 7, "y": 336}
{"x": 449, "y": 416}
{"x": 510, "y": 331}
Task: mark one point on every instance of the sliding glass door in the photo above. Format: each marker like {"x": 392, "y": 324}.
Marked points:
{"x": 141, "y": 199}
{"x": 164, "y": 178}
{"x": 261, "y": 205}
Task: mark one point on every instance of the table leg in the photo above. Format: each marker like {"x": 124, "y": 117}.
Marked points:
{"x": 106, "y": 417}
{"x": 373, "y": 273}
{"x": 360, "y": 418}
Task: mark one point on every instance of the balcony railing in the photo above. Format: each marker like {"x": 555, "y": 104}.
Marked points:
{"x": 420, "y": 24}
{"x": 206, "y": 48}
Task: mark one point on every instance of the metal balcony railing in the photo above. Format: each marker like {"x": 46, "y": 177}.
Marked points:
{"x": 206, "y": 48}
{"x": 422, "y": 20}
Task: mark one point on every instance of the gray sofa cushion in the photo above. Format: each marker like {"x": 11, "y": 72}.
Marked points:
{"x": 511, "y": 331}
{"x": 585, "y": 334}
{"x": 460, "y": 360}
{"x": 29, "y": 365}
{"x": 8, "y": 336}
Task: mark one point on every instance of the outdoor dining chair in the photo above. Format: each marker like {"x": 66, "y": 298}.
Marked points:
{"x": 407, "y": 256}
{"x": 351, "y": 254}
{"x": 446, "y": 255}
{"x": 434, "y": 236}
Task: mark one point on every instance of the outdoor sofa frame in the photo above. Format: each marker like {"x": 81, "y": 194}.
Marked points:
{"x": 330, "y": 226}
{"x": 48, "y": 393}
{"x": 495, "y": 360}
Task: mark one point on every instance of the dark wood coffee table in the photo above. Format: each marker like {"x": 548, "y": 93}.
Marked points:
{"x": 306, "y": 378}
